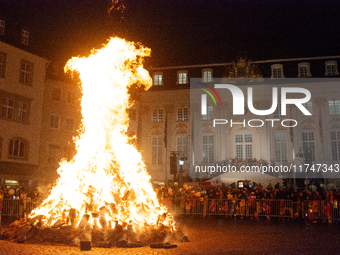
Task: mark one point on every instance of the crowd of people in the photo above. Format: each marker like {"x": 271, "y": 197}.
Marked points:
{"x": 257, "y": 202}
{"x": 9, "y": 197}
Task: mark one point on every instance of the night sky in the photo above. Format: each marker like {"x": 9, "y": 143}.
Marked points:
{"x": 184, "y": 32}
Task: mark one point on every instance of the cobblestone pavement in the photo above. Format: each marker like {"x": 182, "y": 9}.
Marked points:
{"x": 221, "y": 236}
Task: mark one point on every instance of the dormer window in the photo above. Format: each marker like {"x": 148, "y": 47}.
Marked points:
{"x": 182, "y": 77}
{"x": 158, "y": 79}
{"x": 304, "y": 70}
{"x": 277, "y": 71}
{"x": 24, "y": 36}
{"x": 2, "y": 27}
{"x": 331, "y": 68}
{"x": 207, "y": 75}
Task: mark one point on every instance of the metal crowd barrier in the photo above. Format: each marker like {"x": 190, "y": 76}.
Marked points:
{"x": 231, "y": 207}
{"x": 327, "y": 211}
{"x": 312, "y": 210}
{"x": 17, "y": 207}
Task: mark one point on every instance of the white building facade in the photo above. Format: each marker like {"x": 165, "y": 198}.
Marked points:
{"x": 166, "y": 114}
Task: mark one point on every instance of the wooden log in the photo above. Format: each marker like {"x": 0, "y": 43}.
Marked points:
{"x": 134, "y": 245}
{"x": 58, "y": 224}
{"x": 32, "y": 233}
{"x": 85, "y": 245}
{"x": 104, "y": 244}
{"x": 130, "y": 233}
{"x": 83, "y": 222}
{"x": 113, "y": 208}
{"x": 122, "y": 243}
{"x": 163, "y": 246}
{"x": 97, "y": 236}
{"x": 73, "y": 214}
{"x": 33, "y": 220}
{"x": 156, "y": 245}
{"x": 103, "y": 222}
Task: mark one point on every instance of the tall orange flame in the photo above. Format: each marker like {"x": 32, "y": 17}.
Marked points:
{"x": 107, "y": 172}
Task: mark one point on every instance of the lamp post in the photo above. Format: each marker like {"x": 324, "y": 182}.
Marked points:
{"x": 180, "y": 178}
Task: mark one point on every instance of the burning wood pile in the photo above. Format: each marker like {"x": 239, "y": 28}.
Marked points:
{"x": 103, "y": 194}
{"x": 105, "y": 235}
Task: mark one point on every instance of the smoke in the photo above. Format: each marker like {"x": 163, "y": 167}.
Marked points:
{"x": 44, "y": 190}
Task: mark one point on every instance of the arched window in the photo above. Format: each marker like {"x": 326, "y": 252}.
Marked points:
{"x": 331, "y": 68}
{"x": 207, "y": 75}
{"x": 158, "y": 78}
{"x": 277, "y": 71}
{"x": 17, "y": 148}
{"x": 182, "y": 77}
{"x": 304, "y": 69}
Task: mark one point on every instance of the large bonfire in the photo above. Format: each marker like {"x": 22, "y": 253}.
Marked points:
{"x": 106, "y": 183}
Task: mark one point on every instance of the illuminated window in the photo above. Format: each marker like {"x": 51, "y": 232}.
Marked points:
{"x": 335, "y": 143}
{"x": 304, "y": 70}
{"x": 24, "y": 36}
{"x": 207, "y": 75}
{"x": 331, "y": 68}
{"x": 277, "y": 71}
{"x": 22, "y": 111}
{"x": 157, "y": 115}
{"x": 157, "y": 148}
{"x": 182, "y": 77}
{"x": 182, "y": 146}
{"x": 277, "y": 112}
{"x": 26, "y": 72}
{"x": 182, "y": 114}
{"x": 280, "y": 147}
{"x": 16, "y": 110}
{"x": 158, "y": 79}
{"x": 309, "y": 107}
{"x": 244, "y": 146}
{"x": 7, "y": 108}
{"x": 2, "y": 27}
{"x": 17, "y": 148}
{"x": 334, "y": 107}
{"x": 209, "y": 114}
{"x": 208, "y": 149}
{"x": 308, "y": 144}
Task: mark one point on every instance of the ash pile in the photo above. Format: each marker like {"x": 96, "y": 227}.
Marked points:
{"x": 102, "y": 233}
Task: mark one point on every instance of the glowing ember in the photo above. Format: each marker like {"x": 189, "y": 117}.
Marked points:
{"x": 106, "y": 181}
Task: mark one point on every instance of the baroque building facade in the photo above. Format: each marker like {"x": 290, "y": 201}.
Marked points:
{"x": 166, "y": 114}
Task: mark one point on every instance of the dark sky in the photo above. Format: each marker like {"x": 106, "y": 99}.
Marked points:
{"x": 185, "y": 31}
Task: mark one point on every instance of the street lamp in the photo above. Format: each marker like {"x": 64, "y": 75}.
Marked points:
{"x": 181, "y": 163}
